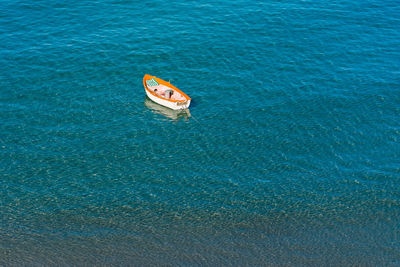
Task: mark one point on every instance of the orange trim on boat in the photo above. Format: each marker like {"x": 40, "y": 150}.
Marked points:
{"x": 161, "y": 81}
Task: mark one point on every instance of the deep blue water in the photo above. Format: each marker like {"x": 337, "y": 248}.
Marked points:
{"x": 289, "y": 156}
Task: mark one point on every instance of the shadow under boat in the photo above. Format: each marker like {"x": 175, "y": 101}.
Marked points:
{"x": 167, "y": 112}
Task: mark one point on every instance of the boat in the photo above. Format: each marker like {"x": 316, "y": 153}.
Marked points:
{"x": 164, "y": 93}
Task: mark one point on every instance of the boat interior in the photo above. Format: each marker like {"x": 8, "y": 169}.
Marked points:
{"x": 164, "y": 91}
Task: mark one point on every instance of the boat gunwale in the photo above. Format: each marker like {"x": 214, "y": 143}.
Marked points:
{"x": 161, "y": 81}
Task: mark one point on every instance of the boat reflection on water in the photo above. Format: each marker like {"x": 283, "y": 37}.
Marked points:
{"x": 167, "y": 112}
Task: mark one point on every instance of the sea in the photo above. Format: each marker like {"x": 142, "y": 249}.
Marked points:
{"x": 289, "y": 154}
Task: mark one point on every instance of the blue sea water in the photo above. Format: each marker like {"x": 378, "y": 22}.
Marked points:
{"x": 288, "y": 156}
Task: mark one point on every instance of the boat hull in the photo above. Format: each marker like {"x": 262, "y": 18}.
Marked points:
{"x": 172, "y": 104}
{"x": 168, "y": 104}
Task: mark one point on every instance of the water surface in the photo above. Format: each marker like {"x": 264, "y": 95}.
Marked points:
{"x": 289, "y": 154}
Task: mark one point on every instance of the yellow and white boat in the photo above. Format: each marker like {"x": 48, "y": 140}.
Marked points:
{"x": 164, "y": 93}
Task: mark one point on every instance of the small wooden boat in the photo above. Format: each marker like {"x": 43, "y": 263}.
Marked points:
{"x": 164, "y": 93}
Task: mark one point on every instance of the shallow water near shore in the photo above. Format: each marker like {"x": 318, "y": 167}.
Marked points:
{"x": 289, "y": 154}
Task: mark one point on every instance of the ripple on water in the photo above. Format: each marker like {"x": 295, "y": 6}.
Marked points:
{"x": 287, "y": 157}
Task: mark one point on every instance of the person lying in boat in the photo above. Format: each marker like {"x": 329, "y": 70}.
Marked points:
{"x": 160, "y": 93}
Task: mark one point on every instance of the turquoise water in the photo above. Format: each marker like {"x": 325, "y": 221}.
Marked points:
{"x": 289, "y": 155}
